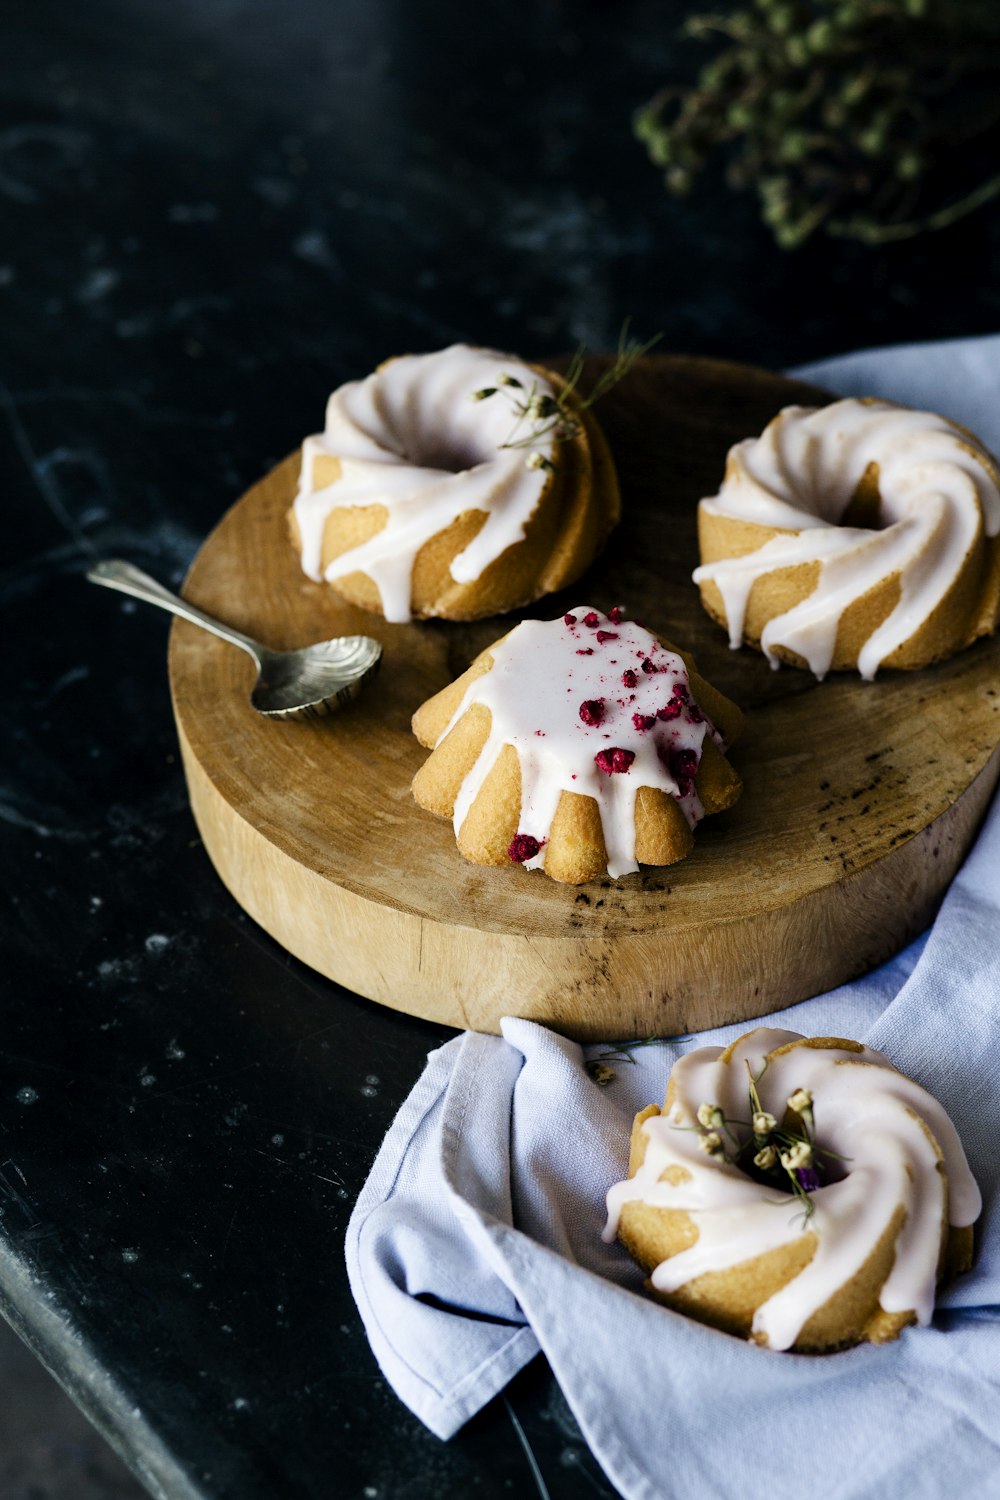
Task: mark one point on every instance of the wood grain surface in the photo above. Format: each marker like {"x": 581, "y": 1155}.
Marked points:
{"x": 860, "y": 799}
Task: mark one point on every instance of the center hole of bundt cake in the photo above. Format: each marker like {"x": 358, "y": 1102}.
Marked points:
{"x": 445, "y": 452}
{"x": 864, "y": 509}
{"x": 822, "y": 1167}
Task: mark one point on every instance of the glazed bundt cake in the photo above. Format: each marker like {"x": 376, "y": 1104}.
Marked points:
{"x": 582, "y": 746}
{"x": 854, "y": 536}
{"x": 797, "y": 1191}
{"x": 457, "y": 484}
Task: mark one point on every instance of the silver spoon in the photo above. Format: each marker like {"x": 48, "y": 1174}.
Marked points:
{"x": 302, "y": 684}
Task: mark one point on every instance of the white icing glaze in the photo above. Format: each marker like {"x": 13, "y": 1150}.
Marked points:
{"x": 410, "y": 438}
{"x": 542, "y": 672}
{"x": 865, "y": 1111}
{"x": 938, "y": 493}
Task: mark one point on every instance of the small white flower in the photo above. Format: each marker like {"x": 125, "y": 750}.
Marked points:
{"x": 711, "y": 1143}
{"x": 765, "y": 1158}
{"x": 799, "y": 1155}
{"x": 710, "y": 1115}
{"x": 800, "y": 1101}
{"x": 541, "y": 408}
{"x": 763, "y": 1122}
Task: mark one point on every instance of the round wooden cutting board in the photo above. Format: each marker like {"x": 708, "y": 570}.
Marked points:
{"x": 860, "y": 799}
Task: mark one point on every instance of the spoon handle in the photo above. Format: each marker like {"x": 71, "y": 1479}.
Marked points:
{"x": 115, "y": 573}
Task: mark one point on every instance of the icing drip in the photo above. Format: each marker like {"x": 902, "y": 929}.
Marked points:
{"x": 557, "y": 692}
{"x": 866, "y": 1112}
{"x": 411, "y": 439}
{"x": 938, "y": 491}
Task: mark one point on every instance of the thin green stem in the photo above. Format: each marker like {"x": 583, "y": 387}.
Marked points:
{"x": 943, "y": 218}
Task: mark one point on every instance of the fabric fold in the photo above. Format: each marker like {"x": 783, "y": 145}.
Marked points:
{"x": 443, "y": 1327}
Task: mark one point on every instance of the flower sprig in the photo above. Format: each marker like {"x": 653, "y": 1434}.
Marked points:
{"x": 785, "y": 1154}
{"x": 599, "y": 1067}
{"x": 553, "y": 415}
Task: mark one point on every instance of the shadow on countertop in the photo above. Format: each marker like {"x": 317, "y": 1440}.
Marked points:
{"x": 48, "y": 1449}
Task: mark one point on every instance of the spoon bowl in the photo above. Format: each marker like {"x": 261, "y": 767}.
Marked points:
{"x": 315, "y": 680}
{"x": 303, "y": 684}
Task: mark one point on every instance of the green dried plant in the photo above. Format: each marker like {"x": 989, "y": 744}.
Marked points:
{"x": 873, "y": 120}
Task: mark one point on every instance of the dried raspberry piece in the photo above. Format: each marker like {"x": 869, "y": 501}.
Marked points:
{"x": 522, "y": 846}
{"x": 680, "y": 692}
{"x": 569, "y": 619}
{"x": 671, "y": 710}
{"x": 630, "y": 679}
{"x": 615, "y": 614}
{"x": 592, "y": 619}
{"x": 695, "y": 715}
{"x": 643, "y": 721}
{"x": 615, "y": 761}
{"x": 606, "y": 635}
{"x": 586, "y": 651}
{"x": 592, "y": 711}
{"x": 683, "y": 765}
{"x": 648, "y": 668}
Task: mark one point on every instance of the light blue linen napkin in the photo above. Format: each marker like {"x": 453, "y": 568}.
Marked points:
{"x": 476, "y": 1240}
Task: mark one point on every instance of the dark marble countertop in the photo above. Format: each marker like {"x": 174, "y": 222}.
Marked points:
{"x": 210, "y": 214}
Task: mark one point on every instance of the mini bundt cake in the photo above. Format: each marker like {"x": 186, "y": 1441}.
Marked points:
{"x": 857, "y": 535}
{"x": 582, "y": 746}
{"x": 457, "y": 485}
{"x": 797, "y": 1191}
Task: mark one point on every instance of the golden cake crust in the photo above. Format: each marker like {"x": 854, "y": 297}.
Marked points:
{"x": 576, "y": 850}
{"x": 733, "y": 525}
{"x": 578, "y": 507}
{"x": 730, "y": 1298}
